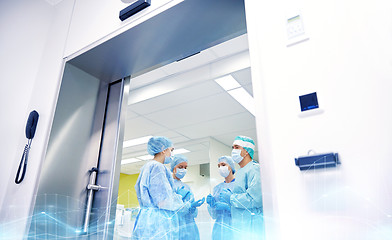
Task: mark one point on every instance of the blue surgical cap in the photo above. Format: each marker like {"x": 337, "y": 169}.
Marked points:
{"x": 177, "y": 159}
{"x": 247, "y": 143}
{"x": 158, "y": 144}
{"x": 228, "y": 160}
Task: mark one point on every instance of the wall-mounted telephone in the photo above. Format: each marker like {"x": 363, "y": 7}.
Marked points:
{"x": 31, "y": 126}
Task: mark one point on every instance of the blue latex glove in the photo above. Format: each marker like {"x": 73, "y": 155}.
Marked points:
{"x": 183, "y": 192}
{"x": 211, "y": 200}
{"x": 225, "y": 195}
{"x": 222, "y": 206}
{"x": 197, "y": 203}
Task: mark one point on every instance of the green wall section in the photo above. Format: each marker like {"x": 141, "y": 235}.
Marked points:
{"x": 126, "y": 191}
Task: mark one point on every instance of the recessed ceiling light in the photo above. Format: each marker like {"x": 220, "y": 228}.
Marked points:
{"x": 244, "y": 98}
{"x": 129, "y": 160}
{"x": 227, "y": 82}
{"x": 176, "y": 151}
{"x": 237, "y": 92}
{"x": 145, "y": 157}
{"x": 180, "y": 150}
{"x": 136, "y": 141}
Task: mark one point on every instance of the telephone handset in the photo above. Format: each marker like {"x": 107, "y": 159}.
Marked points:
{"x": 31, "y": 126}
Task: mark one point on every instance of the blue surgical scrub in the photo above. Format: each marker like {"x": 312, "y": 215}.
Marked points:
{"x": 159, "y": 204}
{"x": 187, "y": 225}
{"x": 246, "y": 203}
{"x": 222, "y": 226}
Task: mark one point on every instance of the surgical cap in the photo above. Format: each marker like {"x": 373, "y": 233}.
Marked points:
{"x": 247, "y": 143}
{"x": 158, "y": 144}
{"x": 228, "y": 160}
{"x": 177, "y": 159}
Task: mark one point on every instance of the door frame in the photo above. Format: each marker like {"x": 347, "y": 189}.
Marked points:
{"x": 109, "y": 161}
{"x": 109, "y": 166}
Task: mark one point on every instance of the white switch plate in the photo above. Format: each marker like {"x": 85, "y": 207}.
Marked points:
{"x": 295, "y": 30}
{"x": 295, "y": 27}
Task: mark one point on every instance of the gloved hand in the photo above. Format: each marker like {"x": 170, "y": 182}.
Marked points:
{"x": 197, "y": 203}
{"x": 183, "y": 192}
{"x": 211, "y": 200}
{"x": 225, "y": 195}
{"x": 222, "y": 206}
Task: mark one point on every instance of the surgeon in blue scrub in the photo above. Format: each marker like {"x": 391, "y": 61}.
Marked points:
{"x": 245, "y": 199}
{"x": 160, "y": 205}
{"x": 221, "y": 211}
{"x": 187, "y": 226}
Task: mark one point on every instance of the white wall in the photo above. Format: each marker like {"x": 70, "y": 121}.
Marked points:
{"x": 21, "y": 48}
{"x": 33, "y": 84}
{"x": 347, "y": 62}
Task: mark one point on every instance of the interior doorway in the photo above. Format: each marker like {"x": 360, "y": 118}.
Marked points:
{"x": 185, "y": 102}
{"x": 156, "y": 54}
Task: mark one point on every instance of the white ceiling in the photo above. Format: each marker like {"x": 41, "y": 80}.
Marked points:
{"x": 189, "y": 107}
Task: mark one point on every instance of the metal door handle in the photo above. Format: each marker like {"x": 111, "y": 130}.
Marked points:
{"x": 95, "y": 187}
{"x": 91, "y": 187}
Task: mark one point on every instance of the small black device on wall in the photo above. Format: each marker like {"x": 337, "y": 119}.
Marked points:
{"x": 325, "y": 160}
{"x": 308, "y": 101}
{"x": 134, "y": 8}
{"x": 31, "y": 126}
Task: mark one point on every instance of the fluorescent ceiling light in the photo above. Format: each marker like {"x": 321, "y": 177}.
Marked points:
{"x": 180, "y": 150}
{"x": 227, "y": 82}
{"x": 136, "y": 141}
{"x": 237, "y": 92}
{"x": 145, "y": 157}
{"x": 244, "y": 98}
{"x": 129, "y": 160}
{"x": 176, "y": 151}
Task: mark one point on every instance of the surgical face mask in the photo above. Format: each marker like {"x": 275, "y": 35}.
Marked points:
{"x": 224, "y": 171}
{"x": 236, "y": 155}
{"x": 168, "y": 160}
{"x": 180, "y": 173}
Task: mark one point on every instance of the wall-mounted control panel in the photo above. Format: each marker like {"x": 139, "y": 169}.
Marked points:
{"x": 308, "y": 101}
{"x": 295, "y": 29}
{"x": 326, "y": 160}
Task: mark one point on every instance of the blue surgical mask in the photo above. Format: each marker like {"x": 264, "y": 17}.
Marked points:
{"x": 168, "y": 160}
{"x": 180, "y": 173}
{"x": 224, "y": 171}
{"x": 236, "y": 155}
